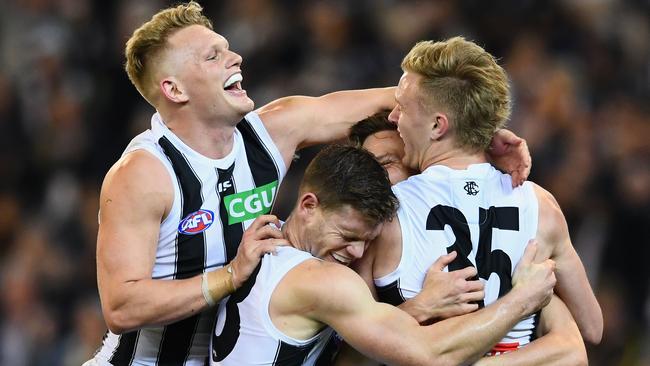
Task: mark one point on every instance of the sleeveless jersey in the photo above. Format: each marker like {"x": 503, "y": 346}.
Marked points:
{"x": 244, "y": 333}
{"x": 475, "y": 212}
{"x": 215, "y": 200}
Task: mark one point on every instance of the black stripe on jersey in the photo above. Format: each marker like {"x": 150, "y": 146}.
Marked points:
{"x": 224, "y": 343}
{"x": 330, "y": 351}
{"x": 190, "y": 258}
{"x": 232, "y": 234}
{"x": 289, "y": 355}
{"x": 390, "y": 294}
{"x": 123, "y": 355}
{"x": 260, "y": 160}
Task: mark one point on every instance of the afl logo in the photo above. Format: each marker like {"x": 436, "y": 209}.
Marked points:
{"x": 196, "y": 222}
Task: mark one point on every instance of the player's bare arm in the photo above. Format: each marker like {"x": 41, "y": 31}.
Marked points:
{"x": 573, "y": 285}
{"x": 559, "y": 343}
{"x": 136, "y": 197}
{"x": 389, "y": 335}
{"x": 299, "y": 121}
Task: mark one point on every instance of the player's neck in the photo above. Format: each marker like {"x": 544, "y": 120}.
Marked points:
{"x": 454, "y": 158}
{"x": 291, "y": 233}
{"x": 208, "y": 138}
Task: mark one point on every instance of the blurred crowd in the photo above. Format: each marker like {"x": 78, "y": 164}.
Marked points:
{"x": 580, "y": 72}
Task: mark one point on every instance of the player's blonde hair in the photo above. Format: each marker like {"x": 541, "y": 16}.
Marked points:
{"x": 150, "y": 38}
{"x": 466, "y": 82}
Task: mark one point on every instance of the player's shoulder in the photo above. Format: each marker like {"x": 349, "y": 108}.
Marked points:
{"x": 551, "y": 220}
{"x": 548, "y": 205}
{"x": 321, "y": 280}
{"x": 139, "y": 163}
{"x": 138, "y": 172}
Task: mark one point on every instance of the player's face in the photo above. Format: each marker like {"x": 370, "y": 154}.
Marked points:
{"x": 341, "y": 235}
{"x": 388, "y": 149}
{"x": 412, "y": 120}
{"x": 209, "y": 72}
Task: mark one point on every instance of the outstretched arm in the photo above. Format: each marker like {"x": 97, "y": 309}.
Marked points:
{"x": 572, "y": 282}
{"x": 560, "y": 342}
{"x": 299, "y": 121}
{"x": 136, "y": 196}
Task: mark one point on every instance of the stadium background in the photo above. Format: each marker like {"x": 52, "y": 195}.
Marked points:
{"x": 580, "y": 72}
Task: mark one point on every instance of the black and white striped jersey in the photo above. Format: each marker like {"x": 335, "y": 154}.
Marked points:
{"x": 215, "y": 200}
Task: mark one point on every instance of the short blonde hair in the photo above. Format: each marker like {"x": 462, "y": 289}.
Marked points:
{"x": 467, "y": 83}
{"x": 148, "y": 40}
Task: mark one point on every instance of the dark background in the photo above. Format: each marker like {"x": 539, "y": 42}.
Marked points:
{"x": 580, "y": 72}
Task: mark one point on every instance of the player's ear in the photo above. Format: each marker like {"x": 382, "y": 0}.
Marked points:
{"x": 173, "y": 90}
{"x": 308, "y": 203}
{"x": 440, "y": 126}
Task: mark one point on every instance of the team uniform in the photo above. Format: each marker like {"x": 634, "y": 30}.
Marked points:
{"x": 475, "y": 212}
{"x": 244, "y": 333}
{"x": 215, "y": 200}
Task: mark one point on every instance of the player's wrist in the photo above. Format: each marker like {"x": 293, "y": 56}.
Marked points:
{"x": 218, "y": 284}
{"x": 418, "y": 310}
{"x": 518, "y": 301}
{"x": 234, "y": 283}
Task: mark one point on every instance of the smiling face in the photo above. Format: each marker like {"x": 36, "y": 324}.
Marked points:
{"x": 414, "y": 124}
{"x": 345, "y": 196}
{"x": 339, "y": 235}
{"x": 207, "y": 72}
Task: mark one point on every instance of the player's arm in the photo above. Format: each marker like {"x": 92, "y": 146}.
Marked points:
{"x": 572, "y": 283}
{"x": 389, "y": 335}
{"x": 559, "y": 343}
{"x": 136, "y": 195}
{"x": 296, "y": 122}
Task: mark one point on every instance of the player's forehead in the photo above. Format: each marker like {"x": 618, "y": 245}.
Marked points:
{"x": 348, "y": 220}
{"x": 197, "y": 39}
{"x": 384, "y": 142}
{"x": 407, "y": 88}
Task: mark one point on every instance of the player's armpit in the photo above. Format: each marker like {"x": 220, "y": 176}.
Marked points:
{"x": 572, "y": 283}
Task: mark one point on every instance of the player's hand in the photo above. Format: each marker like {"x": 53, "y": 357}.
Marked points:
{"x": 510, "y": 154}
{"x": 448, "y": 294}
{"x": 534, "y": 281}
{"x": 260, "y": 238}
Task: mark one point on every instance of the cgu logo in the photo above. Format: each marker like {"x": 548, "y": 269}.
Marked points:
{"x": 196, "y": 222}
{"x": 250, "y": 204}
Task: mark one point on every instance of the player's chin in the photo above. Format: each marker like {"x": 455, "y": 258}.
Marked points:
{"x": 241, "y": 103}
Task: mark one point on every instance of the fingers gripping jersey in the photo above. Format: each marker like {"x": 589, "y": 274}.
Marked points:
{"x": 244, "y": 332}
{"x": 475, "y": 212}
{"x": 215, "y": 200}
